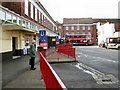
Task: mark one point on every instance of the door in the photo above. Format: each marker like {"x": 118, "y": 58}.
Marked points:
{"x": 14, "y": 45}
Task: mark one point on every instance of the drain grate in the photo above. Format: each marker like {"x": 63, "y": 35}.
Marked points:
{"x": 100, "y": 77}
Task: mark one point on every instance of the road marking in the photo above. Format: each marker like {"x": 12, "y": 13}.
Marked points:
{"x": 97, "y": 58}
{"x": 100, "y": 77}
{"x": 104, "y": 59}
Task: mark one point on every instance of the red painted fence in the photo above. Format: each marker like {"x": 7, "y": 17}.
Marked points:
{"x": 51, "y": 79}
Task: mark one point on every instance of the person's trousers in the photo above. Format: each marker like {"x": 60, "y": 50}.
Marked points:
{"x": 32, "y": 62}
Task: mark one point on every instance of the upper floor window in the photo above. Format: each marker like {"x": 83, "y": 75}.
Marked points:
{"x": 60, "y": 27}
{"x": 72, "y": 28}
{"x": 72, "y": 33}
{"x": 26, "y": 7}
{"x": 88, "y": 27}
{"x": 36, "y": 14}
{"x": 78, "y": 27}
{"x": 67, "y": 33}
{"x": 83, "y": 27}
{"x": 31, "y": 11}
{"x": 67, "y": 27}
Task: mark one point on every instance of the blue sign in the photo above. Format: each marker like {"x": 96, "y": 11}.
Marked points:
{"x": 57, "y": 40}
{"x": 43, "y": 38}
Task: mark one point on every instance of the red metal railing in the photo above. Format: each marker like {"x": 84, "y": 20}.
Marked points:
{"x": 51, "y": 79}
{"x": 66, "y": 49}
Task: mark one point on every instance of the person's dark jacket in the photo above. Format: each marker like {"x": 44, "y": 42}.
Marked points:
{"x": 32, "y": 51}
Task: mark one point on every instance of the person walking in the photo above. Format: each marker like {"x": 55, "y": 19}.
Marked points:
{"x": 32, "y": 52}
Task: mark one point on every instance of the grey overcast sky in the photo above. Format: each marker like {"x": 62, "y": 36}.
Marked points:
{"x": 60, "y": 9}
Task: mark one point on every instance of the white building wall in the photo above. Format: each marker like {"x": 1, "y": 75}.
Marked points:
{"x": 104, "y": 31}
{"x": 100, "y": 33}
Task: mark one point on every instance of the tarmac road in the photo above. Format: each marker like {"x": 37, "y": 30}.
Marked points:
{"x": 74, "y": 77}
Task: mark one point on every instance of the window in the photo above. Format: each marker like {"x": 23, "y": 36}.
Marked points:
{"x": 31, "y": 11}
{"x": 83, "y": 27}
{"x": 89, "y": 33}
{"x": 20, "y": 21}
{"x": 8, "y": 17}
{"x": 24, "y": 23}
{"x": 42, "y": 18}
{"x": 88, "y": 27}
{"x": 72, "y": 33}
{"x": 36, "y": 14}
{"x": 28, "y": 24}
{"x": 72, "y": 28}
{"x": 2, "y": 15}
{"x": 60, "y": 27}
{"x": 78, "y": 28}
{"x": 67, "y": 28}
{"x": 26, "y": 7}
{"x": 14, "y": 19}
{"x": 67, "y": 33}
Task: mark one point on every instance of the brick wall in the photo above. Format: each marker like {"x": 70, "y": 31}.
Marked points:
{"x": 13, "y": 6}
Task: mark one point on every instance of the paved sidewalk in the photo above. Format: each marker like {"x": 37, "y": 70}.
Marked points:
{"x": 17, "y": 74}
{"x": 29, "y": 79}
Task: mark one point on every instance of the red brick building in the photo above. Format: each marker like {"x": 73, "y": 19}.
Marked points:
{"x": 72, "y": 26}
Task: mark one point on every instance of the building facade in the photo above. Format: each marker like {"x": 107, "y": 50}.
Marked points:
{"x": 106, "y": 28}
{"x": 81, "y": 26}
{"x": 20, "y": 25}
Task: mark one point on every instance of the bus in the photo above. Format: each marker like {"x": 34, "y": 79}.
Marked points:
{"x": 80, "y": 39}
{"x": 113, "y": 42}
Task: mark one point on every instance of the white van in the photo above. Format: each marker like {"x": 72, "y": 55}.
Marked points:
{"x": 113, "y": 42}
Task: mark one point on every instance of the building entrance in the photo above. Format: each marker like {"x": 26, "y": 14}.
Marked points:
{"x": 14, "y": 39}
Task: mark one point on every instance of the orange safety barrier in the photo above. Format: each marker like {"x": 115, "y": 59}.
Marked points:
{"x": 51, "y": 79}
